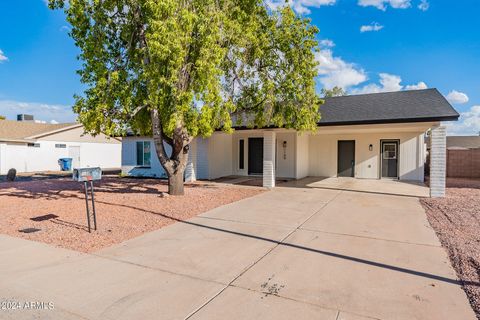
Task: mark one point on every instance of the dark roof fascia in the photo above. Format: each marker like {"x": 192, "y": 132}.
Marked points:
{"x": 387, "y": 121}
{"x": 360, "y": 122}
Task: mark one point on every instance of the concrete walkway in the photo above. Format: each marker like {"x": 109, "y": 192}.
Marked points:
{"x": 292, "y": 253}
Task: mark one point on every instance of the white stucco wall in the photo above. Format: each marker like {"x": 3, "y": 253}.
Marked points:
{"x": 45, "y": 158}
{"x": 3, "y": 156}
{"x": 323, "y": 154}
{"x": 284, "y": 158}
{"x": 303, "y": 155}
{"x": 236, "y": 137}
{"x": 220, "y": 162}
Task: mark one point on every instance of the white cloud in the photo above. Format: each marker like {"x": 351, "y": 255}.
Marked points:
{"x": 382, "y": 4}
{"x": 300, "y": 6}
{"x": 374, "y": 26}
{"x": 419, "y": 86}
{"x": 468, "y": 124}
{"x": 40, "y": 111}
{"x": 457, "y": 97}
{"x": 3, "y": 57}
{"x": 388, "y": 83}
{"x": 424, "y": 5}
{"x": 334, "y": 71}
{"x": 326, "y": 43}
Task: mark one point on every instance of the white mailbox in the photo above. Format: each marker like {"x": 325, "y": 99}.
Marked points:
{"x": 87, "y": 174}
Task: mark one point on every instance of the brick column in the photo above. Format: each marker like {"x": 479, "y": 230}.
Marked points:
{"x": 269, "y": 141}
{"x": 438, "y": 161}
{"x": 190, "y": 175}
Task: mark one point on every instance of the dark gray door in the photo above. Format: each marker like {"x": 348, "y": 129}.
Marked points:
{"x": 389, "y": 159}
{"x": 255, "y": 155}
{"x": 346, "y": 158}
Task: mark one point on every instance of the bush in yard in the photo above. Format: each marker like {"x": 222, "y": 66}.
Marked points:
{"x": 11, "y": 175}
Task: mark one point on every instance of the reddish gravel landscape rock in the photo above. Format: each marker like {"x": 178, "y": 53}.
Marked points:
{"x": 126, "y": 208}
{"x": 456, "y": 220}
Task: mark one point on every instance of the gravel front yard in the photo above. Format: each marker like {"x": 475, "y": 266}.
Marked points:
{"x": 126, "y": 208}
{"x": 456, "y": 220}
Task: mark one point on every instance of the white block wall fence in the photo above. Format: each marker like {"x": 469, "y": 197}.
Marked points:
{"x": 269, "y": 143}
{"x": 438, "y": 161}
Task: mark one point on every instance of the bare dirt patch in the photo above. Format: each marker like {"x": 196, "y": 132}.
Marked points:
{"x": 126, "y": 208}
{"x": 456, "y": 220}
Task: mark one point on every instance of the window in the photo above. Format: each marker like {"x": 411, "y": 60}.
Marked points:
{"x": 143, "y": 153}
{"x": 241, "y": 153}
{"x": 389, "y": 151}
{"x": 60, "y": 145}
{"x": 34, "y": 145}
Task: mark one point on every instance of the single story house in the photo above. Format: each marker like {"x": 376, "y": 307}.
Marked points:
{"x": 463, "y": 142}
{"x": 369, "y": 136}
{"x": 29, "y": 146}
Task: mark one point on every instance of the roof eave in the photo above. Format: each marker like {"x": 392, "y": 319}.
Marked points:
{"x": 360, "y": 122}
{"x": 16, "y": 140}
{"x": 386, "y": 121}
{"x": 48, "y": 133}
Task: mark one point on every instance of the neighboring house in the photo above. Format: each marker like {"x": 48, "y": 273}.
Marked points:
{"x": 463, "y": 142}
{"x": 370, "y": 136}
{"x": 29, "y": 146}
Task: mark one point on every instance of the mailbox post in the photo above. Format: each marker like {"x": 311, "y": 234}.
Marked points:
{"x": 87, "y": 176}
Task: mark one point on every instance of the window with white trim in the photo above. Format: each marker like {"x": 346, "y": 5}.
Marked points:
{"x": 143, "y": 153}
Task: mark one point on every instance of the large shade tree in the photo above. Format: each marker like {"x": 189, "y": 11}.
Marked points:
{"x": 177, "y": 69}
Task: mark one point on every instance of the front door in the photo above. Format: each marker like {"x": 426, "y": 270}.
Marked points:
{"x": 255, "y": 156}
{"x": 389, "y": 159}
{"x": 346, "y": 158}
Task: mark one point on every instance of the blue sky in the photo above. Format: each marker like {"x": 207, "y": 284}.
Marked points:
{"x": 367, "y": 46}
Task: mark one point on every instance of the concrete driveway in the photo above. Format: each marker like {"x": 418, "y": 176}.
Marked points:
{"x": 297, "y": 252}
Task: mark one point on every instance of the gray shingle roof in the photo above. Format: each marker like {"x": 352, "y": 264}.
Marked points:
{"x": 463, "y": 142}
{"x": 388, "y": 107}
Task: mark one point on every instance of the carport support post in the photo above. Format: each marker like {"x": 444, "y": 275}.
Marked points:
{"x": 269, "y": 141}
{"x": 438, "y": 161}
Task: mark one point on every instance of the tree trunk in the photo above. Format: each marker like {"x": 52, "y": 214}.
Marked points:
{"x": 175, "y": 183}
{"x": 176, "y": 163}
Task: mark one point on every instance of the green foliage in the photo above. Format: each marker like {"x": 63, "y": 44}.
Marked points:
{"x": 334, "y": 92}
{"x": 2, "y": 117}
{"x": 200, "y": 63}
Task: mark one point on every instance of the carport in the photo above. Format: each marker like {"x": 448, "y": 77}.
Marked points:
{"x": 369, "y": 186}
